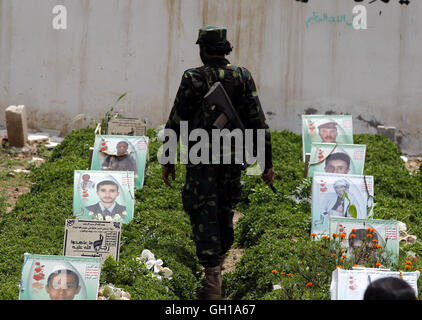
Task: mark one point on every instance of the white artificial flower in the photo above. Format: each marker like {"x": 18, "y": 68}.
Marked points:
{"x": 147, "y": 255}
{"x": 167, "y": 273}
{"x": 158, "y": 265}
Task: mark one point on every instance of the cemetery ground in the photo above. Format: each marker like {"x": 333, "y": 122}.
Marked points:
{"x": 272, "y": 235}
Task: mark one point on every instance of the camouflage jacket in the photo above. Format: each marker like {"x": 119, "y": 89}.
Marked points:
{"x": 240, "y": 87}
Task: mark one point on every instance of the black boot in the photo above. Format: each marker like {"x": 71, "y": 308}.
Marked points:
{"x": 212, "y": 285}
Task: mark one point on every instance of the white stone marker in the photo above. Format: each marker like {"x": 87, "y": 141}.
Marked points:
{"x": 17, "y": 127}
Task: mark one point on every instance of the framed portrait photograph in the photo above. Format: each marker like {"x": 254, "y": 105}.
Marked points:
{"x": 326, "y": 129}
{"x": 46, "y": 277}
{"x": 121, "y": 153}
{"x": 92, "y": 238}
{"x": 337, "y": 158}
{"x": 367, "y": 232}
{"x": 352, "y": 284}
{"x": 103, "y": 195}
{"x": 340, "y": 195}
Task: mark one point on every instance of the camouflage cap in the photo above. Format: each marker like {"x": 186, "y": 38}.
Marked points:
{"x": 212, "y": 35}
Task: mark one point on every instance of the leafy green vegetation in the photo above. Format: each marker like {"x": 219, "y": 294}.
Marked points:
{"x": 36, "y": 225}
{"x": 274, "y": 229}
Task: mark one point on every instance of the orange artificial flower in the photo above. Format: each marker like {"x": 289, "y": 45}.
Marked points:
{"x": 378, "y": 264}
{"x": 377, "y": 246}
{"x": 408, "y": 267}
{"x": 353, "y": 230}
{"x": 283, "y": 273}
{"x": 369, "y": 235}
{"x": 408, "y": 262}
{"x": 355, "y": 265}
{"x": 344, "y": 256}
{"x": 352, "y": 235}
{"x": 342, "y": 235}
{"x": 334, "y": 235}
{"x": 341, "y": 260}
{"x": 290, "y": 275}
{"x": 339, "y": 266}
{"x": 309, "y": 284}
{"x": 326, "y": 237}
{"x": 375, "y": 240}
{"x": 333, "y": 255}
{"x": 274, "y": 271}
{"x": 313, "y": 234}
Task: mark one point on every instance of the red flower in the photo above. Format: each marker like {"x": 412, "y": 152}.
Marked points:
{"x": 38, "y": 270}
{"x": 37, "y": 277}
{"x": 309, "y": 284}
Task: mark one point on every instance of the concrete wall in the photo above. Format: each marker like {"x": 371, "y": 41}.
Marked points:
{"x": 143, "y": 47}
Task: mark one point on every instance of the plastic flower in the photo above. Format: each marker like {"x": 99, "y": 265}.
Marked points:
{"x": 375, "y": 240}
{"x": 344, "y": 256}
{"x": 156, "y": 264}
{"x": 355, "y": 265}
{"x": 313, "y": 234}
{"x": 290, "y": 275}
{"x": 408, "y": 262}
{"x": 377, "y": 246}
{"x": 353, "y": 230}
{"x": 369, "y": 235}
{"x": 408, "y": 267}
{"x": 309, "y": 284}
{"x": 334, "y": 235}
{"x": 333, "y": 255}
{"x": 165, "y": 273}
{"x": 342, "y": 235}
{"x": 352, "y": 235}
{"x": 339, "y": 266}
{"x": 326, "y": 237}
{"x": 378, "y": 264}
{"x": 283, "y": 273}
{"x": 147, "y": 255}
{"x": 274, "y": 271}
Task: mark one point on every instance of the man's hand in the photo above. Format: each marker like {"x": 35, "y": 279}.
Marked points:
{"x": 268, "y": 176}
{"x": 166, "y": 172}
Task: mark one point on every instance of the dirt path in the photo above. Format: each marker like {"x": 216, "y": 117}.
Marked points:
{"x": 234, "y": 253}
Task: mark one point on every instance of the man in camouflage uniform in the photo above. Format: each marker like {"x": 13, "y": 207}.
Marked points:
{"x": 212, "y": 190}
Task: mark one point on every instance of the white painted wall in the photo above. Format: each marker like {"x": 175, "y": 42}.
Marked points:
{"x": 143, "y": 47}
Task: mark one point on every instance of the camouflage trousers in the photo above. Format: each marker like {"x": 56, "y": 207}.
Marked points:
{"x": 209, "y": 195}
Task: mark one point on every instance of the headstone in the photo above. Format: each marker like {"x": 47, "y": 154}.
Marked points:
{"x": 17, "y": 127}
{"x": 90, "y": 238}
{"x": 126, "y": 127}
{"x": 389, "y": 132}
